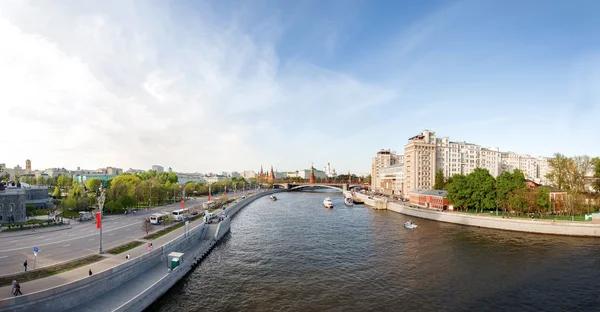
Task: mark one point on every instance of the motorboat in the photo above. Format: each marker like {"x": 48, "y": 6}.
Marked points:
{"x": 410, "y": 225}
{"x": 328, "y": 203}
{"x": 348, "y": 201}
{"x": 273, "y": 197}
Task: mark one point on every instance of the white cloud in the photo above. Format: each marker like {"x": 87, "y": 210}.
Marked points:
{"x": 133, "y": 86}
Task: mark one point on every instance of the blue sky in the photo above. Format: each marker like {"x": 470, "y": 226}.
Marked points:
{"x": 230, "y": 85}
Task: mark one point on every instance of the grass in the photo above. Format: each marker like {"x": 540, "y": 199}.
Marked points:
{"x": 523, "y": 216}
{"x": 165, "y": 231}
{"x": 171, "y": 228}
{"x": 49, "y": 270}
{"x": 123, "y": 248}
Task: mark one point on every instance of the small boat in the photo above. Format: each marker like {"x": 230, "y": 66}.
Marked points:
{"x": 328, "y": 203}
{"x": 273, "y": 197}
{"x": 348, "y": 201}
{"x": 410, "y": 225}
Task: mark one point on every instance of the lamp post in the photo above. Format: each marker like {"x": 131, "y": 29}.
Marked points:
{"x": 101, "y": 206}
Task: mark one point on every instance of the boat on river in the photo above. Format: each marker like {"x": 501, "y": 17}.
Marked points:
{"x": 273, "y": 197}
{"x": 410, "y": 225}
{"x": 348, "y": 201}
{"x": 328, "y": 203}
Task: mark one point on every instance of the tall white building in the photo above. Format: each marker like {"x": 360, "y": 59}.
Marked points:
{"x": 384, "y": 158}
{"x": 425, "y": 154}
{"x": 158, "y": 168}
{"x": 249, "y": 174}
{"x": 391, "y": 179}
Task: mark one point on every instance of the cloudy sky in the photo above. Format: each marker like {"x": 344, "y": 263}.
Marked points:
{"x": 230, "y": 85}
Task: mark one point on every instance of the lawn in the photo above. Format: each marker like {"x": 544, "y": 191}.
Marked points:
{"x": 123, "y": 248}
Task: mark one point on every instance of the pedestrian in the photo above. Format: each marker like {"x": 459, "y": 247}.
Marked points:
{"x": 18, "y": 290}
{"x": 90, "y": 272}
{"x": 149, "y": 246}
{"x": 127, "y": 257}
{"x": 25, "y": 265}
{"x": 12, "y": 290}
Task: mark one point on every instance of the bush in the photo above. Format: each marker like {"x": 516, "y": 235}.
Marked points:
{"x": 113, "y": 207}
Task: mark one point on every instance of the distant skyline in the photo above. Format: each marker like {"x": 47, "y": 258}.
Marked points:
{"x": 211, "y": 86}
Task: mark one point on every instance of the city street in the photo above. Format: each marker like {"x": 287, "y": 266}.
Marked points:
{"x": 80, "y": 240}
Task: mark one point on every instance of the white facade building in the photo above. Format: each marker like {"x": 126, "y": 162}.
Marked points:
{"x": 158, "y": 168}
{"x": 384, "y": 158}
{"x": 391, "y": 180}
{"x": 425, "y": 154}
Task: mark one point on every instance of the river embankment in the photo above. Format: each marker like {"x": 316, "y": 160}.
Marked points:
{"x": 580, "y": 228}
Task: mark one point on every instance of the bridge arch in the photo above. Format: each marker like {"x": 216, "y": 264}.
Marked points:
{"x": 299, "y": 187}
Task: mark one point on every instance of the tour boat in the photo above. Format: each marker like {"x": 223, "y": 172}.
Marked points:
{"x": 348, "y": 201}
{"x": 273, "y": 198}
{"x": 410, "y": 225}
{"x": 328, "y": 203}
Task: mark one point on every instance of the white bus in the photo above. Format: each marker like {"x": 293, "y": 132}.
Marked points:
{"x": 180, "y": 214}
{"x": 208, "y": 205}
{"x": 157, "y": 218}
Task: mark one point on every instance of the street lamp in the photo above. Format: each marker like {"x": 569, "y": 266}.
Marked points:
{"x": 101, "y": 206}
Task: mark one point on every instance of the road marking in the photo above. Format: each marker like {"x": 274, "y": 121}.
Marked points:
{"x": 65, "y": 240}
{"x": 3, "y": 257}
{"x": 47, "y": 239}
{"x": 14, "y": 241}
{"x": 67, "y": 245}
{"x": 111, "y": 234}
{"x": 91, "y": 239}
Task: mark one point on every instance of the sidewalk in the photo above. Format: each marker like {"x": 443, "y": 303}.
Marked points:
{"x": 82, "y": 272}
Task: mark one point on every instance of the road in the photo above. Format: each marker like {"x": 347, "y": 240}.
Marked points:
{"x": 81, "y": 240}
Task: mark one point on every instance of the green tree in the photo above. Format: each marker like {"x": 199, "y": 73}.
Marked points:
{"x": 56, "y": 194}
{"x": 70, "y": 203}
{"x": 458, "y": 192}
{"x": 439, "y": 180}
{"x": 93, "y": 184}
{"x": 518, "y": 201}
{"x": 559, "y": 172}
{"x": 543, "y": 199}
{"x": 596, "y": 164}
{"x": 482, "y": 187}
{"x": 507, "y": 183}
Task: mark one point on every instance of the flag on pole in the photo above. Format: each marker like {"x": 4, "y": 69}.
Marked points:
{"x": 182, "y": 204}
{"x": 98, "y": 220}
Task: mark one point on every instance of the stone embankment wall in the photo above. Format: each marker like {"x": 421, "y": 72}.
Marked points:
{"x": 513, "y": 224}
{"x": 71, "y": 294}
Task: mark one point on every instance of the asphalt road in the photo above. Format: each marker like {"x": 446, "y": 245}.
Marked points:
{"x": 81, "y": 240}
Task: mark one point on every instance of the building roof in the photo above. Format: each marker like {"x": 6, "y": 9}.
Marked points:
{"x": 554, "y": 189}
{"x": 431, "y": 192}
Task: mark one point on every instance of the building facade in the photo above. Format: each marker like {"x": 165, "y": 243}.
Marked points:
{"x": 158, "y": 168}
{"x": 391, "y": 180}
{"x": 82, "y": 178}
{"x": 420, "y": 162}
{"x": 14, "y": 198}
{"x": 384, "y": 158}
{"x": 429, "y": 199}
{"x": 425, "y": 154}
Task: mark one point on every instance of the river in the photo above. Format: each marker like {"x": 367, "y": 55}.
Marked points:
{"x": 295, "y": 255}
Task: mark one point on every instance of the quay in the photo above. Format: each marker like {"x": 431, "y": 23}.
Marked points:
{"x": 580, "y": 228}
{"x": 118, "y": 284}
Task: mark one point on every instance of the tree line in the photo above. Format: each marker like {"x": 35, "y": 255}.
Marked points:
{"x": 578, "y": 176}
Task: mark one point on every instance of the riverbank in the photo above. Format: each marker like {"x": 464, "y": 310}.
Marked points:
{"x": 120, "y": 284}
{"x": 518, "y": 225}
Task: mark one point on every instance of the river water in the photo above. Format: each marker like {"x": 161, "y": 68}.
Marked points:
{"x": 295, "y": 255}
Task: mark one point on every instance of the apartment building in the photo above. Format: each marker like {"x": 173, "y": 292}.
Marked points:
{"x": 425, "y": 154}
{"x": 391, "y": 180}
{"x": 420, "y": 162}
{"x": 384, "y": 158}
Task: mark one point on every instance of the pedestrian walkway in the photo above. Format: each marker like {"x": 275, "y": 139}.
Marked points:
{"x": 120, "y": 296}
{"x": 82, "y": 272}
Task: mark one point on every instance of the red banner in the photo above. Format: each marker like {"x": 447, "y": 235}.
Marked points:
{"x": 182, "y": 204}
{"x": 98, "y": 220}
{"x": 208, "y": 197}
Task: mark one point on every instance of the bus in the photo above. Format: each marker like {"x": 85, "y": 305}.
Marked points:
{"x": 180, "y": 214}
{"x": 157, "y": 218}
{"x": 208, "y": 205}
